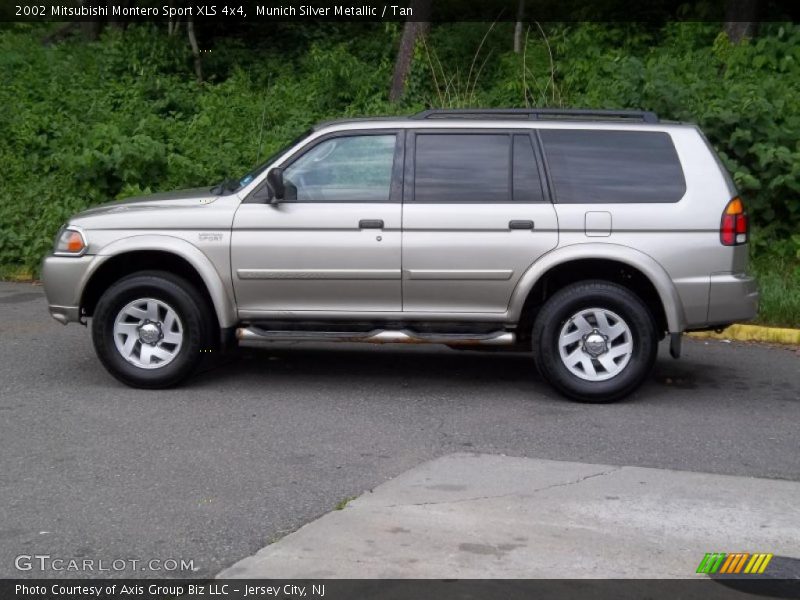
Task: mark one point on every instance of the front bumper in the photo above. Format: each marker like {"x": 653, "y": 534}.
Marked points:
{"x": 732, "y": 298}
{"x": 64, "y": 279}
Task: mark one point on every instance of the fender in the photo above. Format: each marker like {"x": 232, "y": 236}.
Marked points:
{"x": 673, "y": 307}
{"x": 224, "y": 306}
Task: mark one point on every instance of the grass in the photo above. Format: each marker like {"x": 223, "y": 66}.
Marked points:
{"x": 779, "y": 285}
{"x": 342, "y": 503}
{"x": 778, "y": 280}
{"x": 16, "y": 273}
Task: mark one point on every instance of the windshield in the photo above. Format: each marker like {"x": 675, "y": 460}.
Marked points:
{"x": 260, "y": 168}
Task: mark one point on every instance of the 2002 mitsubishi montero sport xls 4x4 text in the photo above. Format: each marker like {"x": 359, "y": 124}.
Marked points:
{"x": 584, "y": 236}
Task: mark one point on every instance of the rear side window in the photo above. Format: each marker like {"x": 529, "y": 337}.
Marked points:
{"x": 462, "y": 168}
{"x": 527, "y": 185}
{"x": 606, "y": 167}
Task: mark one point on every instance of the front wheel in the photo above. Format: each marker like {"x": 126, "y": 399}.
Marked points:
{"x": 595, "y": 341}
{"x": 149, "y": 329}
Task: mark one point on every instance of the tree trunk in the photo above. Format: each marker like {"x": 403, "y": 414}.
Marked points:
{"x": 402, "y": 64}
{"x": 91, "y": 28}
{"x": 114, "y": 21}
{"x": 518, "y": 27}
{"x": 412, "y": 30}
{"x": 741, "y": 19}
{"x": 198, "y": 62}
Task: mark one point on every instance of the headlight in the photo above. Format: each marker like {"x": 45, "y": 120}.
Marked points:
{"x": 70, "y": 241}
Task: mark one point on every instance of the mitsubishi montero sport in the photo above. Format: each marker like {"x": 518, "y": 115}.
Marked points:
{"x": 582, "y": 236}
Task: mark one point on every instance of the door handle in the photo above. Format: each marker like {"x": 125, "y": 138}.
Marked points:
{"x": 370, "y": 224}
{"x": 520, "y": 224}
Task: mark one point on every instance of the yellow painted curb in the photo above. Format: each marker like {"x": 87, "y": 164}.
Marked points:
{"x": 753, "y": 333}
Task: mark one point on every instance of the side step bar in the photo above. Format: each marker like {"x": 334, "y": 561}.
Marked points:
{"x": 253, "y": 336}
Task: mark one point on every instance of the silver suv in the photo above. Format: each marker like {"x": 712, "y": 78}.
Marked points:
{"x": 584, "y": 236}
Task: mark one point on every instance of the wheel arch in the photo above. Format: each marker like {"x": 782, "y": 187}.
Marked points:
{"x": 612, "y": 262}
{"x": 164, "y": 253}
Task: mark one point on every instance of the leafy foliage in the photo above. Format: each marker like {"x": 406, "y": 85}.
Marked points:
{"x": 84, "y": 123}
{"x": 744, "y": 97}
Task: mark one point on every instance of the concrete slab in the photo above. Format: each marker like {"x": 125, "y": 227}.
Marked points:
{"x": 485, "y": 516}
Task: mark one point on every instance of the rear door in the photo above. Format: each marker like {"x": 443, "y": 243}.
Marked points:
{"x": 333, "y": 245}
{"x": 476, "y": 215}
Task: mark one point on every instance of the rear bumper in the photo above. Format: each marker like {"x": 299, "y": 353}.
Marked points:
{"x": 65, "y": 314}
{"x": 732, "y": 298}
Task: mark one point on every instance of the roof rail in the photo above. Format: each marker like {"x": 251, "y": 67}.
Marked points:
{"x": 535, "y": 114}
{"x": 321, "y": 124}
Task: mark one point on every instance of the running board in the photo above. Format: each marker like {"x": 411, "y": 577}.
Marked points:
{"x": 253, "y": 336}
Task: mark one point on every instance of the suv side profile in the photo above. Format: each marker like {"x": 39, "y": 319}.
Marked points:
{"x": 584, "y": 236}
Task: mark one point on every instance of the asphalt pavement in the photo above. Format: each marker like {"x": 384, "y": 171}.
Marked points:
{"x": 253, "y": 449}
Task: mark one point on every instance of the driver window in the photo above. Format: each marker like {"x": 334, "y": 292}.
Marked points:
{"x": 343, "y": 169}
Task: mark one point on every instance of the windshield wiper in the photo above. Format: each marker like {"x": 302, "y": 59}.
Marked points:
{"x": 226, "y": 185}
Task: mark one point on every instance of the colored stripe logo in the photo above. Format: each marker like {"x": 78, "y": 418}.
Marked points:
{"x": 733, "y": 563}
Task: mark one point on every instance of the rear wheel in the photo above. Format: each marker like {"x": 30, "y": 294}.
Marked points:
{"x": 149, "y": 329}
{"x": 595, "y": 341}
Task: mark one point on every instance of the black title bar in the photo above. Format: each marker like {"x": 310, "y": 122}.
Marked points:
{"x": 392, "y": 10}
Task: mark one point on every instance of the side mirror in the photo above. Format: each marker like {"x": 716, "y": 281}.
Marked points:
{"x": 275, "y": 182}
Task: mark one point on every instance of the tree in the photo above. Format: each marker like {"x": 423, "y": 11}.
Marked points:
{"x": 198, "y": 62}
{"x": 416, "y": 26}
{"x": 92, "y": 27}
{"x": 741, "y": 19}
{"x": 113, "y": 20}
{"x": 518, "y": 27}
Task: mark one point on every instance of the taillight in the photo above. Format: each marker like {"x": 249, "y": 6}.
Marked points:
{"x": 734, "y": 227}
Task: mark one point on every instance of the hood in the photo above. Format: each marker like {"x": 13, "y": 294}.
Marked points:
{"x": 190, "y": 197}
{"x": 172, "y": 210}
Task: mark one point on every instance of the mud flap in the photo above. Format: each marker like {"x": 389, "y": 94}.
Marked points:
{"x": 675, "y": 344}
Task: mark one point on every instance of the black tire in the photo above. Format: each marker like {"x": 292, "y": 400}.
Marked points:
{"x": 594, "y": 294}
{"x": 194, "y": 314}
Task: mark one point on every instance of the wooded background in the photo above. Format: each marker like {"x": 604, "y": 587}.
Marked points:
{"x": 101, "y": 110}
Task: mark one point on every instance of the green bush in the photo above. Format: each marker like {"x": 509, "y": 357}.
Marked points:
{"x": 84, "y": 123}
{"x": 744, "y": 97}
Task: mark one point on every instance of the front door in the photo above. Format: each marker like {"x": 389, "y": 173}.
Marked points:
{"x": 476, "y": 216}
{"x": 333, "y": 245}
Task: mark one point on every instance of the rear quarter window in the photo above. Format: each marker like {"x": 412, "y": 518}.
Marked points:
{"x": 607, "y": 167}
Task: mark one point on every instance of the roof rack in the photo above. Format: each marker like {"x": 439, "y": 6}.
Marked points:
{"x": 536, "y": 114}
{"x": 344, "y": 121}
